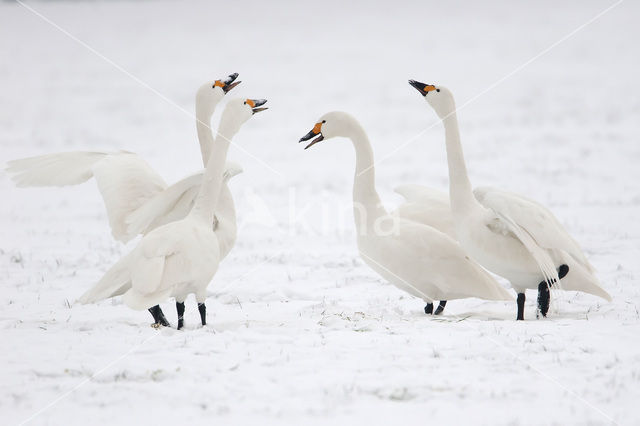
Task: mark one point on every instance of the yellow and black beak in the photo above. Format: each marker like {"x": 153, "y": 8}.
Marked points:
{"x": 255, "y": 103}
{"x": 423, "y": 88}
{"x": 317, "y": 130}
{"x": 228, "y": 83}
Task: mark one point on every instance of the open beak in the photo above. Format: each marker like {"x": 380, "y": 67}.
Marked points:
{"x": 423, "y": 88}
{"x": 230, "y": 83}
{"x": 317, "y": 130}
{"x": 255, "y": 103}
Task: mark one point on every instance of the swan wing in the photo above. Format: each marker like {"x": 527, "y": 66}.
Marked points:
{"x": 125, "y": 182}
{"x": 161, "y": 208}
{"x": 427, "y": 206}
{"x": 173, "y": 203}
{"x": 413, "y": 193}
{"x": 534, "y": 225}
{"x": 537, "y": 219}
{"x": 422, "y": 254}
{"x": 231, "y": 169}
{"x": 61, "y": 169}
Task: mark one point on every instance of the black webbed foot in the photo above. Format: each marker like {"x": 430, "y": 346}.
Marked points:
{"x": 440, "y": 308}
{"x": 158, "y": 317}
{"x": 428, "y": 309}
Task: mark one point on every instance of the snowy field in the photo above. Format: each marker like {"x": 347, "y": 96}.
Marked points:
{"x": 300, "y": 330}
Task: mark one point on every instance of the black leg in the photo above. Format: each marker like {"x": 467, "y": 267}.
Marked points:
{"x": 428, "y": 309}
{"x": 203, "y": 313}
{"x": 520, "y": 307}
{"x": 180, "y": 309}
{"x": 158, "y": 316}
{"x": 544, "y": 293}
{"x": 440, "y": 308}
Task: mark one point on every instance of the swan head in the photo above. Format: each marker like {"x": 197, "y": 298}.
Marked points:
{"x": 331, "y": 125}
{"x": 439, "y": 97}
{"x": 238, "y": 111}
{"x": 211, "y": 92}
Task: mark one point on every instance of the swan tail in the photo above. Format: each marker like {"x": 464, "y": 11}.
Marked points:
{"x": 580, "y": 278}
{"x": 115, "y": 282}
{"x": 61, "y": 169}
{"x": 140, "y": 301}
{"x": 492, "y": 289}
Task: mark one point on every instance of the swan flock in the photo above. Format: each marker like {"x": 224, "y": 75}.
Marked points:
{"x": 435, "y": 246}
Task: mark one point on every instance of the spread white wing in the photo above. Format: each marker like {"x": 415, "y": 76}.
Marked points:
{"x": 124, "y": 179}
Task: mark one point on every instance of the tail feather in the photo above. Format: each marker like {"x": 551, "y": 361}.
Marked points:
{"x": 140, "y": 301}
{"x": 61, "y": 169}
{"x": 493, "y": 289}
{"x": 116, "y": 281}
{"x": 582, "y": 278}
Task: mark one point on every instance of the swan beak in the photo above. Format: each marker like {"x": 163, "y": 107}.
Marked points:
{"x": 314, "y": 132}
{"x": 423, "y": 88}
{"x": 254, "y": 103}
{"x": 230, "y": 83}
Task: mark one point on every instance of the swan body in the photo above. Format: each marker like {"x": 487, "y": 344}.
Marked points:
{"x": 416, "y": 258}
{"x": 180, "y": 257}
{"x": 428, "y": 206}
{"x": 508, "y": 234}
{"x": 136, "y": 198}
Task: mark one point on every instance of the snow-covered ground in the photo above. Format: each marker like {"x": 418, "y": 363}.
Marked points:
{"x": 301, "y": 331}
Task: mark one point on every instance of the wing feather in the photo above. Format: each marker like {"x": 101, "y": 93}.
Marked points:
{"x": 536, "y": 220}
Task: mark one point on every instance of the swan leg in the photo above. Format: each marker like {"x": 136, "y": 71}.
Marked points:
{"x": 158, "y": 316}
{"x": 203, "y": 313}
{"x": 521, "y": 299}
{"x": 440, "y": 308}
{"x": 180, "y": 309}
{"x": 544, "y": 293}
{"x": 428, "y": 309}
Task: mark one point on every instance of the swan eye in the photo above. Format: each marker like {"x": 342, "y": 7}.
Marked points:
{"x": 437, "y": 90}
{"x": 324, "y": 121}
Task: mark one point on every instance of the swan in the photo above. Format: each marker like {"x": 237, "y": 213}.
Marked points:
{"x": 414, "y": 257}
{"x": 127, "y": 182}
{"x": 180, "y": 257}
{"x": 510, "y": 235}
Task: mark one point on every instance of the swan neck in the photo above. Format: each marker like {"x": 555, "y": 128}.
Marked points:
{"x": 206, "y": 139}
{"x": 460, "y": 192}
{"x": 209, "y": 193}
{"x": 366, "y": 201}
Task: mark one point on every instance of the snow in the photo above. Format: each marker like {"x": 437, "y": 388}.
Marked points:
{"x": 300, "y": 330}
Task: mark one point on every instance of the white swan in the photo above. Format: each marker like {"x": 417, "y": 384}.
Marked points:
{"x": 414, "y": 257}
{"x": 510, "y": 235}
{"x": 180, "y": 257}
{"x": 136, "y": 198}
